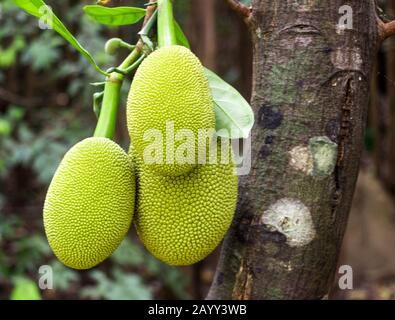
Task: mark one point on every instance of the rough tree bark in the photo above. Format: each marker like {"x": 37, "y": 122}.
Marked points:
{"x": 310, "y": 95}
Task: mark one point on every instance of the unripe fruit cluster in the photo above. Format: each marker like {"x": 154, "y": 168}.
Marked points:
{"x": 182, "y": 211}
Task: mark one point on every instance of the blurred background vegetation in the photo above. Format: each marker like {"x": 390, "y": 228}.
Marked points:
{"x": 46, "y": 107}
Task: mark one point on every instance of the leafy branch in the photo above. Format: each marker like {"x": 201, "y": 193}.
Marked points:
{"x": 41, "y": 10}
{"x": 112, "y": 88}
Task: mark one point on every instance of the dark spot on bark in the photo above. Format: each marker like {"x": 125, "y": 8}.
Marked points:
{"x": 328, "y": 50}
{"x": 220, "y": 279}
{"x": 258, "y": 270}
{"x": 273, "y": 236}
{"x": 269, "y": 117}
{"x": 300, "y": 83}
{"x": 336, "y": 198}
{"x": 332, "y": 130}
{"x": 243, "y": 227}
{"x": 269, "y": 139}
{"x": 264, "y": 152}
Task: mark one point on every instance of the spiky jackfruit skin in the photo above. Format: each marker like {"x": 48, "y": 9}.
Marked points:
{"x": 182, "y": 219}
{"x": 169, "y": 88}
{"x": 90, "y": 203}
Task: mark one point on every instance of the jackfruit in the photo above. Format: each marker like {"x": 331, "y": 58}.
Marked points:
{"x": 169, "y": 104}
{"x": 90, "y": 203}
{"x": 182, "y": 219}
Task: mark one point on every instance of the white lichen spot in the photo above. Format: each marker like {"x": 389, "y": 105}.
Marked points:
{"x": 324, "y": 152}
{"x": 347, "y": 58}
{"x": 259, "y": 33}
{"x": 286, "y": 265}
{"x": 340, "y": 29}
{"x": 301, "y": 159}
{"x": 291, "y": 218}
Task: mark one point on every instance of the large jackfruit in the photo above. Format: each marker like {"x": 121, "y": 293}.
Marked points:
{"x": 169, "y": 95}
{"x": 182, "y": 219}
{"x": 90, "y": 203}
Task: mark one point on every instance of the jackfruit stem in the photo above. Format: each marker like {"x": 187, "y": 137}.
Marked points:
{"x": 108, "y": 115}
{"x": 107, "y": 119}
{"x": 166, "y": 28}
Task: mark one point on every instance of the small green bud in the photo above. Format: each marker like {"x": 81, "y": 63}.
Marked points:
{"x": 112, "y": 46}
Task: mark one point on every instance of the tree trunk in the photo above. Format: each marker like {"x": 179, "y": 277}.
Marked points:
{"x": 310, "y": 96}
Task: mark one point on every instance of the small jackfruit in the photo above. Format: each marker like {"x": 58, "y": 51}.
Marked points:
{"x": 90, "y": 203}
{"x": 169, "y": 105}
{"x": 182, "y": 219}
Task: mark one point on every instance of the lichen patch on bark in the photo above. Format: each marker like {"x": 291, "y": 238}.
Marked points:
{"x": 291, "y": 218}
{"x": 324, "y": 153}
{"x": 317, "y": 159}
{"x": 301, "y": 159}
{"x": 259, "y": 33}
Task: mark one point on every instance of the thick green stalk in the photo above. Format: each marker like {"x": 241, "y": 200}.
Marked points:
{"x": 107, "y": 119}
{"x": 108, "y": 114}
{"x": 166, "y": 28}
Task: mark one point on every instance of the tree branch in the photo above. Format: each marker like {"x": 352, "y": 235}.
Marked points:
{"x": 150, "y": 10}
{"x": 386, "y": 29}
{"x": 239, "y": 8}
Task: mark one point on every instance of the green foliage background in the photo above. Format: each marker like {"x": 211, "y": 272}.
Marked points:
{"x": 45, "y": 108}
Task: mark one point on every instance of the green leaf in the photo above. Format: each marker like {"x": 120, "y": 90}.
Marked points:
{"x": 122, "y": 286}
{"x": 43, "y": 53}
{"x": 39, "y": 9}
{"x": 123, "y": 257}
{"x": 8, "y": 56}
{"x": 118, "y": 16}
{"x": 182, "y": 40}
{"x": 234, "y": 116}
{"x": 97, "y": 102}
{"x": 25, "y": 289}
{"x": 65, "y": 277}
{"x": 5, "y": 127}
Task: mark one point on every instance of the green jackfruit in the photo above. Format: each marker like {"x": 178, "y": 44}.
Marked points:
{"x": 90, "y": 203}
{"x": 182, "y": 219}
{"x": 169, "y": 104}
